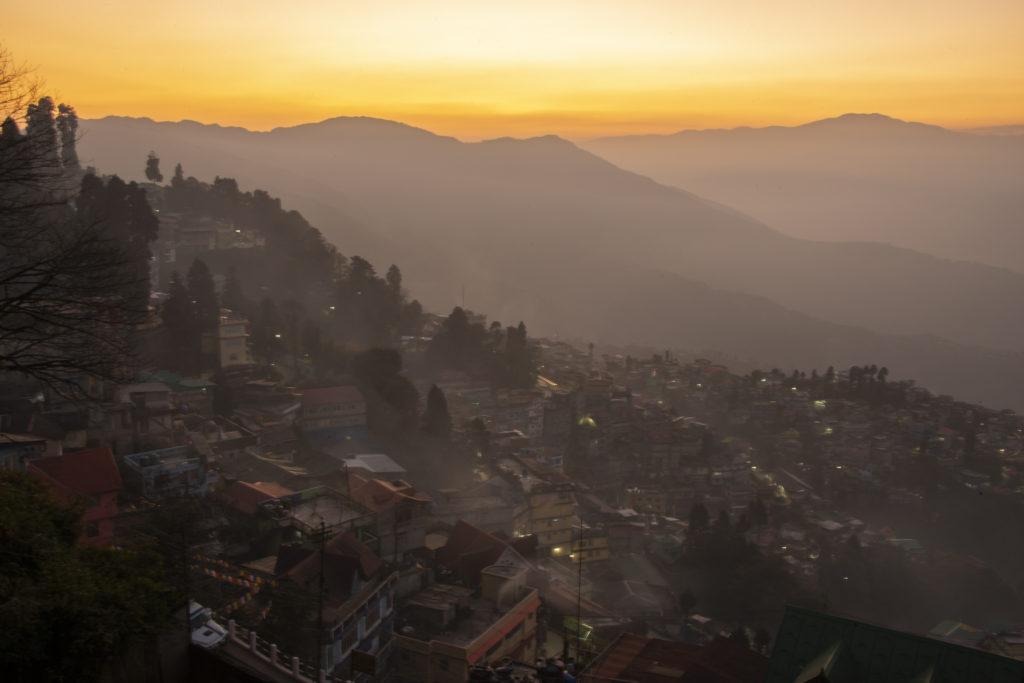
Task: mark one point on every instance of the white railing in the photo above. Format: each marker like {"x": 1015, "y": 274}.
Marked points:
{"x": 292, "y": 667}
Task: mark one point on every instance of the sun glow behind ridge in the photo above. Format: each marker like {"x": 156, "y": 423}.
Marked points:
{"x": 484, "y": 69}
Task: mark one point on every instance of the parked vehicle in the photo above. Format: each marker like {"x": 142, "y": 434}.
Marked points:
{"x": 206, "y": 633}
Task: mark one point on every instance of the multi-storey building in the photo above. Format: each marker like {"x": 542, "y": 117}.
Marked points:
{"x": 549, "y": 514}
{"x": 400, "y": 513}
{"x": 589, "y": 546}
{"x": 233, "y": 340}
{"x": 447, "y": 630}
{"x": 358, "y": 606}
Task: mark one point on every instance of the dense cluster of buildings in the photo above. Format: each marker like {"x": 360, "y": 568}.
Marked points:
{"x": 557, "y": 546}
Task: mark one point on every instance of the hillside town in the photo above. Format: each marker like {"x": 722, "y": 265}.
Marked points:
{"x": 551, "y": 526}
{"x": 283, "y": 456}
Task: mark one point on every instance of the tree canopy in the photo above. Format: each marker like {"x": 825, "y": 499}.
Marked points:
{"x": 68, "y": 606}
{"x": 502, "y": 356}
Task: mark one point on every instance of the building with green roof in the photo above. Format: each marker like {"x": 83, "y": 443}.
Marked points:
{"x": 825, "y": 648}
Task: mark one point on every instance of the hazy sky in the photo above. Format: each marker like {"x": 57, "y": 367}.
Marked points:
{"x": 577, "y": 68}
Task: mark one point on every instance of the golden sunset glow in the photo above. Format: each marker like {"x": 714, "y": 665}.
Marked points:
{"x": 477, "y": 69}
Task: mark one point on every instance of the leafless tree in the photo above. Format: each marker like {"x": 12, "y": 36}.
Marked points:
{"x": 66, "y": 309}
{"x": 19, "y": 86}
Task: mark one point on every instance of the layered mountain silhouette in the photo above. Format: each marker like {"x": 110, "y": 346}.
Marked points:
{"x": 542, "y": 231}
{"x": 858, "y": 177}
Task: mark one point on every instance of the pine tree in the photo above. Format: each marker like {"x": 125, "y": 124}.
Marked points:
{"x": 204, "y": 314}
{"x": 436, "y": 419}
{"x": 205, "y": 304}
{"x": 41, "y": 132}
{"x": 394, "y": 280}
{"x": 153, "y": 173}
{"x": 181, "y": 337}
{"x": 67, "y": 126}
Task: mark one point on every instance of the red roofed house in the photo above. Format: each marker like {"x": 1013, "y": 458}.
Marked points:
{"x": 359, "y": 598}
{"x": 246, "y": 497}
{"x": 401, "y": 510}
{"x": 89, "y": 479}
{"x": 333, "y": 416}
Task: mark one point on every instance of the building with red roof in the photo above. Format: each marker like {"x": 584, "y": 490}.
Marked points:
{"x": 359, "y": 598}
{"x": 89, "y": 479}
{"x": 246, "y": 497}
{"x": 401, "y": 513}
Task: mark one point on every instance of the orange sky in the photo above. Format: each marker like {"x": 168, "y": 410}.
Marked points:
{"x": 576, "y": 68}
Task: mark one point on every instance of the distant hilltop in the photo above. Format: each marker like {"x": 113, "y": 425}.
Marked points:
{"x": 585, "y": 243}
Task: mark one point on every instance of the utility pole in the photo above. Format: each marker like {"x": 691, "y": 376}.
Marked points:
{"x": 185, "y": 580}
{"x": 579, "y": 597}
{"x": 320, "y": 601}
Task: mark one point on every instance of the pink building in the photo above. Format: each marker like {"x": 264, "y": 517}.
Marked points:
{"x": 89, "y": 479}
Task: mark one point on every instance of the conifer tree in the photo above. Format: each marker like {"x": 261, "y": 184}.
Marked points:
{"x": 204, "y": 314}
{"x": 67, "y": 125}
{"x": 41, "y": 132}
{"x": 153, "y": 173}
{"x": 203, "y": 292}
{"x": 436, "y": 419}
{"x": 181, "y": 334}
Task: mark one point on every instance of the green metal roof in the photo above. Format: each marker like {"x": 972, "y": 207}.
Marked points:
{"x": 850, "y": 651}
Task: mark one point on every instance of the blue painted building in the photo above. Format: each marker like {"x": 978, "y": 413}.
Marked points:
{"x": 167, "y": 473}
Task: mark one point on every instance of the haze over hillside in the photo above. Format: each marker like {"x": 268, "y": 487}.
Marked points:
{"x": 858, "y": 177}
{"x": 542, "y": 231}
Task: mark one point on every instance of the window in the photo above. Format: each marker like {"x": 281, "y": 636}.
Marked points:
{"x": 372, "y": 617}
{"x": 442, "y": 664}
{"x": 92, "y": 529}
{"x": 348, "y": 641}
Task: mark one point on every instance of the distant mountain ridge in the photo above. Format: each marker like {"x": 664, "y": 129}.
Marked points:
{"x": 856, "y": 177}
{"x": 1014, "y": 129}
{"x": 543, "y": 231}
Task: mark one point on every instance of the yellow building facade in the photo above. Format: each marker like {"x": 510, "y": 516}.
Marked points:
{"x": 550, "y": 514}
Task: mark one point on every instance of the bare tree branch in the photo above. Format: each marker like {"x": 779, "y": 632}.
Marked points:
{"x": 69, "y": 290}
